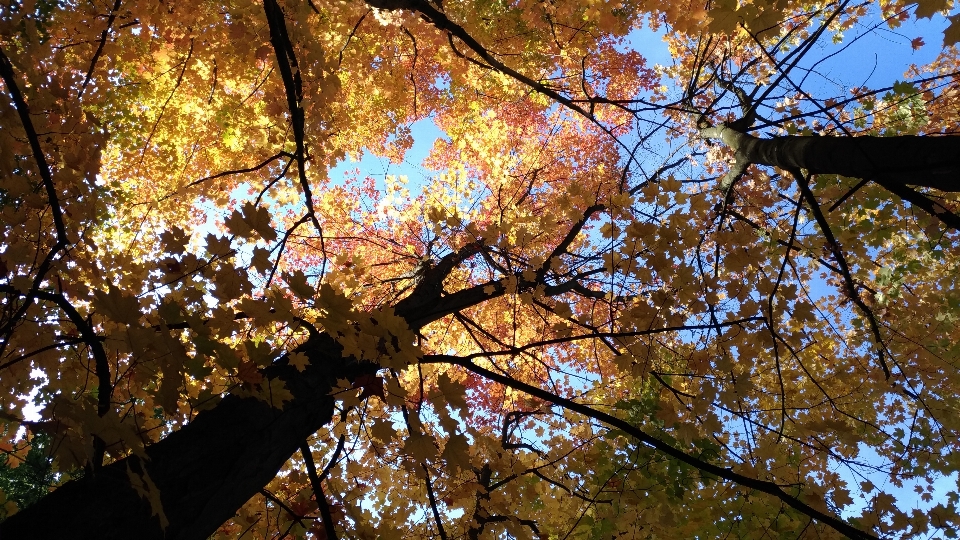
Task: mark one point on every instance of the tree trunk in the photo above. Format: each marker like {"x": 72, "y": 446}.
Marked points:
{"x": 204, "y": 471}
{"x": 209, "y": 468}
{"x": 928, "y": 161}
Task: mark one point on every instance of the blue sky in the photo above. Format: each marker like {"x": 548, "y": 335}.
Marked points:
{"x": 869, "y": 56}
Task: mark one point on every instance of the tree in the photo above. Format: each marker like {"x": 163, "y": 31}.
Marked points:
{"x": 700, "y": 300}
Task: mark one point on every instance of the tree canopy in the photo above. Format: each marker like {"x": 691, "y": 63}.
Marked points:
{"x": 715, "y": 297}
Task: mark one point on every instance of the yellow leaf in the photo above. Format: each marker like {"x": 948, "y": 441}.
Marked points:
{"x": 117, "y": 306}
{"x": 298, "y": 360}
{"x": 453, "y": 391}
{"x": 420, "y": 447}
{"x": 457, "y": 452}
{"x": 383, "y": 430}
{"x": 724, "y": 19}
{"x": 276, "y": 393}
{"x": 337, "y": 306}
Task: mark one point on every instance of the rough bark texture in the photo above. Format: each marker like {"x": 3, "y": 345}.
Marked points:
{"x": 928, "y": 161}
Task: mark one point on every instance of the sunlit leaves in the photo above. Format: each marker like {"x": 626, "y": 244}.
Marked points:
{"x": 251, "y": 219}
{"x": 578, "y": 247}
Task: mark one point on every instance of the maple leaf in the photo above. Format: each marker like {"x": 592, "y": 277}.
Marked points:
{"x": 841, "y": 497}
{"x": 238, "y": 225}
{"x": 117, "y": 305}
{"x": 174, "y": 240}
{"x": 276, "y": 393}
{"x": 383, "y": 430}
{"x": 420, "y": 447}
{"x": 298, "y": 360}
{"x": 259, "y": 353}
{"x": 217, "y": 246}
{"x": 904, "y": 88}
{"x": 248, "y": 373}
{"x": 456, "y": 452}
{"x": 336, "y": 304}
{"x": 951, "y": 35}
{"x": 261, "y": 260}
{"x": 453, "y": 391}
{"x": 258, "y": 218}
{"x": 298, "y": 284}
{"x": 928, "y": 8}
{"x": 724, "y": 20}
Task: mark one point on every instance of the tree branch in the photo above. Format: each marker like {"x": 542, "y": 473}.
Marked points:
{"x": 318, "y": 490}
{"x": 726, "y": 473}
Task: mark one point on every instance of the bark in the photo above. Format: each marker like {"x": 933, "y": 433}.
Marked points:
{"x": 204, "y": 471}
{"x": 209, "y": 468}
{"x": 927, "y": 161}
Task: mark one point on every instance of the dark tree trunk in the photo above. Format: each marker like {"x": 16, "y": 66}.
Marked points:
{"x": 927, "y": 161}
{"x": 209, "y": 468}
{"x": 920, "y": 161}
{"x": 204, "y": 471}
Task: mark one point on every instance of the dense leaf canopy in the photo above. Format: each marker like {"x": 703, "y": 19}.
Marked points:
{"x": 714, "y": 297}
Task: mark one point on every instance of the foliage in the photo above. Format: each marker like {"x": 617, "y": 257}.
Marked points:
{"x": 707, "y": 299}
{"x": 24, "y": 483}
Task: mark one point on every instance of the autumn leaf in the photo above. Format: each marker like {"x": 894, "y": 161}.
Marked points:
{"x": 248, "y": 372}
{"x": 175, "y": 240}
{"x": 117, "y": 305}
{"x": 951, "y": 36}
{"x": 237, "y": 225}
{"x": 370, "y": 385}
{"x": 454, "y": 392}
{"x": 251, "y": 219}
{"x": 928, "y": 8}
{"x": 258, "y": 218}
{"x": 724, "y": 20}
{"x": 383, "y": 430}
{"x": 261, "y": 260}
{"x": 276, "y": 393}
{"x": 298, "y": 360}
{"x": 299, "y": 285}
{"x": 259, "y": 352}
{"x": 218, "y": 246}
{"x": 456, "y": 452}
{"x": 420, "y": 447}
